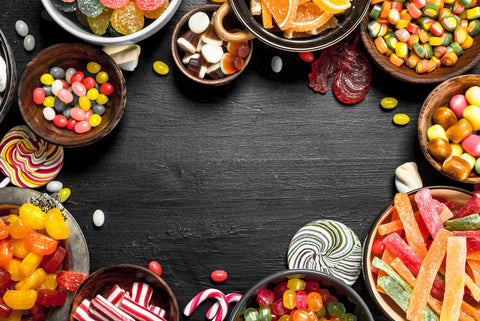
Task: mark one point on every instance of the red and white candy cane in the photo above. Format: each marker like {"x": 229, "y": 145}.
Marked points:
{"x": 141, "y": 293}
{"x": 231, "y": 297}
{"x": 82, "y": 312}
{"x": 101, "y": 304}
{"x": 204, "y": 295}
{"x": 116, "y": 295}
{"x": 138, "y": 311}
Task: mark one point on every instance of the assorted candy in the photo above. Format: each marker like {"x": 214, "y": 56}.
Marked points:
{"x": 453, "y": 138}
{"x": 113, "y": 17}
{"x": 410, "y": 266}
{"x": 206, "y": 55}
{"x": 121, "y": 305}
{"x": 32, "y": 249}
{"x": 423, "y": 35}
{"x": 74, "y": 99}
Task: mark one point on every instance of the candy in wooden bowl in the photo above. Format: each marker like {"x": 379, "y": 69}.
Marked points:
{"x": 77, "y": 56}
{"x": 455, "y": 163}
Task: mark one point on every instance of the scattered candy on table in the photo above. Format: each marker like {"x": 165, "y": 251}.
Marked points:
{"x": 98, "y": 218}
{"x": 407, "y": 177}
{"x": 276, "y": 64}
{"x": 21, "y": 28}
{"x": 154, "y": 266}
{"x": 126, "y": 56}
{"x": 54, "y": 186}
{"x": 327, "y": 246}
{"x": 219, "y": 275}
{"x": 306, "y": 56}
{"x": 160, "y": 67}
{"x": 389, "y": 103}
{"x": 401, "y": 119}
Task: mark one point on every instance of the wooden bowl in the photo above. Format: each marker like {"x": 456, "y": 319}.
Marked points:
{"x": 343, "y": 292}
{"x": 440, "y": 97}
{"x": 6, "y": 96}
{"x": 103, "y": 280}
{"x": 457, "y": 196}
{"x": 177, "y": 52}
{"x": 465, "y": 62}
{"x": 67, "y": 55}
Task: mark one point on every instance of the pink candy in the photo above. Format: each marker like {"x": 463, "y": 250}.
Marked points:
{"x": 458, "y": 103}
{"x": 65, "y": 95}
{"x": 79, "y": 89}
{"x": 204, "y": 295}
{"x": 231, "y": 298}
{"x": 471, "y": 145}
{"x": 77, "y": 114}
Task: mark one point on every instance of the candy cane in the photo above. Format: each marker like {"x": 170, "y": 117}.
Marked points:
{"x": 141, "y": 293}
{"x": 231, "y": 297}
{"x": 204, "y": 295}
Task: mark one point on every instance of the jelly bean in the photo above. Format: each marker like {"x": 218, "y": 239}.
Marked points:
{"x": 161, "y": 68}
{"x": 88, "y": 114}
{"x": 84, "y": 103}
{"x": 296, "y": 284}
{"x": 65, "y": 95}
{"x": 220, "y": 276}
{"x": 93, "y": 67}
{"x": 20, "y": 299}
{"x": 57, "y": 72}
{"x": 77, "y": 114}
{"x": 289, "y": 299}
{"x": 471, "y": 145}
{"x": 98, "y": 109}
{"x": 444, "y": 116}
{"x": 21, "y": 28}
{"x": 378, "y": 246}
{"x": 69, "y": 73}
{"x": 456, "y": 167}
{"x": 30, "y": 263}
{"x": 472, "y": 114}
{"x": 301, "y": 300}
{"x": 102, "y": 77}
{"x": 265, "y": 297}
{"x": 459, "y": 131}
{"x": 389, "y": 102}
{"x": 29, "y": 43}
{"x": 6, "y": 253}
{"x": 78, "y": 88}
{"x": 251, "y": 314}
{"x": 276, "y": 64}
{"x": 439, "y": 148}
{"x": 401, "y": 119}
{"x": 33, "y": 281}
{"x": 82, "y": 127}
{"x": 54, "y": 186}
{"x": 102, "y": 99}
{"x": 154, "y": 266}
{"x": 106, "y": 89}
{"x": 94, "y": 120}
{"x": 71, "y": 123}
{"x": 88, "y": 82}
{"x": 38, "y": 95}
{"x": 264, "y": 313}
{"x": 60, "y": 120}
{"x": 300, "y": 315}
{"x": 314, "y": 301}
{"x": 49, "y": 101}
{"x": 59, "y": 105}
{"x": 92, "y": 93}
{"x": 64, "y": 194}
{"x": 458, "y": 103}
{"x": 47, "y": 79}
{"x": 306, "y": 56}
{"x": 436, "y": 131}
{"x": 55, "y": 225}
{"x": 47, "y": 90}
{"x": 77, "y": 76}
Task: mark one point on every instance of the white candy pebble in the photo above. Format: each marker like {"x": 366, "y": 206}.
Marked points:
{"x": 407, "y": 177}
{"x": 49, "y": 113}
{"x": 56, "y": 85}
{"x": 69, "y": 73}
{"x": 29, "y": 43}
{"x": 21, "y": 27}
{"x": 277, "y": 64}
{"x": 199, "y": 22}
{"x": 98, "y": 218}
{"x": 54, "y": 186}
{"x": 212, "y": 53}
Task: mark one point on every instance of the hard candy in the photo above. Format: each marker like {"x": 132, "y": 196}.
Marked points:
{"x": 98, "y": 218}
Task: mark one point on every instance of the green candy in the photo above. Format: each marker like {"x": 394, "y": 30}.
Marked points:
{"x": 473, "y": 27}
{"x": 321, "y": 313}
{"x": 467, "y": 223}
{"x": 375, "y": 12}
{"x": 349, "y": 317}
{"x": 265, "y": 314}
{"x": 251, "y": 314}
{"x": 336, "y": 309}
{"x": 456, "y": 48}
{"x": 477, "y": 165}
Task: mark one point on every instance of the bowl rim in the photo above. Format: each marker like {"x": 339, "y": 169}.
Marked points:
{"x": 177, "y": 57}
{"x": 345, "y": 27}
{"x": 372, "y": 233}
{"x": 108, "y": 127}
{"x": 66, "y": 23}
{"x": 11, "y": 74}
{"x": 423, "y": 116}
{"x": 289, "y": 272}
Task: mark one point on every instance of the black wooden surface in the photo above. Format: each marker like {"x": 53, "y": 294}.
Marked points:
{"x": 201, "y": 178}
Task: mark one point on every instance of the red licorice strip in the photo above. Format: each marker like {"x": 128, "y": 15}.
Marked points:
{"x": 471, "y": 207}
{"x": 428, "y": 211}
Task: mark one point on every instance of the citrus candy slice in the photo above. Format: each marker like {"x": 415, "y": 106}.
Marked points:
{"x": 283, "y": 11}
{"x": 309, "y": 17}
{"x": 128, "y": 19}
{"x": 333, "y": 6}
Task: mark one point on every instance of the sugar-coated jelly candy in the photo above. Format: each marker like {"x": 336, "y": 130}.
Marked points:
{"x": 21, "y": 28}
{"x": 154, "y": 266}
{"x": 301, "y": 300}
{"x": 38, "y": 95}
{"x": 289, "y": 299}
{"x": 32, "y": 216}
{"x": 32, "y": 281}
{"x": 20, "y": 299}
{"x": 264, "y": 313}
{"x": 64, "y": 194}
{"x": 128, "y": 19}
{"x": 439, "y": 148}
{"x": 40, "y": 244}
{"x": 296, "y": 284}
{"x": 265, "y": 297}
{"x": 472, "y": 114}
{"x": 51, "y": 262}
{"x": 60, "y": 120}
{"x": 48, "y": 297}
{"x": 444, "y": 116}
{"x": 29, "y": 42}
{"x": 314, "y": 301}
{"x": 251, "y": 314}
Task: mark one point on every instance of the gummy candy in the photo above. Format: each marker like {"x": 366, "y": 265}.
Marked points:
{"x": 154, "y": 14}
{"x": 114, "y": 4}
{"x": 128, "y": 19}
{"x": 149, "y": 4}
{"x": 90, "y": 8}
{"x": 99, "y": 24}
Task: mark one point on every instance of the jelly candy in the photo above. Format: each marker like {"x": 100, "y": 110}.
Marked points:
{"x": 128, "y": 19}
{"x": 265, "y": 297}
{"x": 33, "y": 281}
{"x": 314, "y": 301}
{"x": 99, "y": 24}
{"x": 251, "y": 314}
{"x": 336, "y": 309}
{"x": 279, "y": 289}
{"x": 149, "y": 4}
{"x": 30, "y": 263}
{"x": 264, "y": 313}
{"x": 301, "y": 300}
{"x": 107, "y": 88}
{"x": 70, "y": 280}
{"x": 51, "y": 262}
{"x": 90, "y": 8}
{"x": 20, "y": 299}
{"x": 296, "y": 284}
{"x": 51, "y": 297}
{"x": 160, "y": 68}
{"x": 55, "y": 225}
{"x": 20, "y": 250}
{"x": 21, "y": 27}
{"x": 32, "y": 216}
{"x": 40, "y": 244}
{"x": 114, "y": 4}
{"x": 155, "y": 267}
{"x": 289, "y": 299}
{"x": 219, "y": 276}
{"x": 154, "y": 14}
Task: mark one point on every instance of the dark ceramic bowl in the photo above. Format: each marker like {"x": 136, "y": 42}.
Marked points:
{"x": 456, "y": 196}
{"x": 103, "y": 280}
{"x": 344, "y": 293}
{"x": 347, "y": 22}
{"x": 7, "y": 95}
{"x": 67, "y": 55}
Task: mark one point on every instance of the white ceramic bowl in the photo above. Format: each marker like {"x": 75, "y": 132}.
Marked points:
{"x": 68, "y": 22}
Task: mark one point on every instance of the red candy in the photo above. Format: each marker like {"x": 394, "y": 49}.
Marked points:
{"x": 4, "y": 309}
{"x": 70, "y": 280}
{"x": 301, "y": 300}
{"x": 306, "y": 56}
{"x": 37, "y": 312}
{"x": 154, "y": 266}
{"x": 38, "y": 95}
{"x": 149, "y": 4}
{"x": 77, "y": 76}
{"x": 114, "y": 4}
{"x": 219, "y": 275}
{"x": 106, "y": 88}
{"x": 71, "y": 123}
{"x": 51, "y": 297}
{"x": 88, "y": 82}
{"x": 265, "y": 297}
{"x": 50, "y": 263}
{"x": 60, "y": 120}
{"x": 378, "y": 246}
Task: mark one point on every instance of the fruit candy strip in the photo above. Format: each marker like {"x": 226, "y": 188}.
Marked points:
{"x": 474, "y": 256}
{"x": 387, "y": 257}
{"x": 402, "y": 297}
{"x": 445, "y": 214}
{"x": 378, "y": 263}
{"x": 401, "y": 249}
{"x": 467, "y": 308}
{"x": 390, "y": 227}
{"x": 412, "y": 231}
{"x": 82, "y": 312}
{"x": 116, "y": 295}
{"x": 474, "y": 266}
{"x": 101, "y": 304}
{"x": 137, "y": 311}
{"x": 266, "y": 16}
{"x": 426, "y": 275}
{"x": 467, "y": 223}
{"x": 428, "y": 211}
{"x": 141, "y": 293}
{"x": 454, "y": 278}
{"x": 473, "y": 287}
{"x": 471, "y": 207}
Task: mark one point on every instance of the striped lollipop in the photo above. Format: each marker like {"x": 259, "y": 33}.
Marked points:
{"x": 327, "y": 246}
{"x": 27, "y": 160}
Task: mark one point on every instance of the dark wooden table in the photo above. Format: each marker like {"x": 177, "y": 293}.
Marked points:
{"x": 201, "y": 178}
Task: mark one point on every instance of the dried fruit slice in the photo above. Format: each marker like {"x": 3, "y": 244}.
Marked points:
{"x": 114, "y": 4}
{"x": 128, "y": 19}
{"x": 283, "y": 11}
{"x": 99, "y": 24}
{"x": 154, "y": 14}
{"x": 309, "y": 17}
{"x": 149, "y": 4}
{"x": 90, "y": 8}
{"x": 333, "y": 6}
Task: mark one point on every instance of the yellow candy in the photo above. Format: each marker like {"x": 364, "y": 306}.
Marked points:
{"x": 64, "y": 193}
{"x": 47, "y": 79}
{"x": 20, "y": 299}
{"x": 467, "y": 43}
{"x": 49, "y": 101}
{"x": 102, "y": 77}
{"x": 457, "y": 149}
{"x": 436, "y": 131}
{"x": 30, "y": 263}
{"x": 84, "y": 103}
{"x": 95, "y": 120}
{"x": 401, "y": 49}
{"x": 296, "y": 284}
{"x": 14, "y": 270}
{"x": 55, "y": 225}
{"x": 32, "y": 216}
{"x": 401, "y": 119}
{"x": 93, "y": 67}
{"x": 19, "y": 248}
{"x": 49, "y": 283}
{"x": 33, "y": 281}
{"x": 470, "y": 159}
{"x": 102, "y": 99}
{"x": 93, "y": 93}
{"x": 160, "y": 67}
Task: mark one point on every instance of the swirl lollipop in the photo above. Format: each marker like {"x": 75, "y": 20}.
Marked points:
{"x": 27, "y": 160}
{"x": 327, "y": 246}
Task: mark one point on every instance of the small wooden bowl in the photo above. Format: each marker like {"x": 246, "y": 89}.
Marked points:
{"x": 457, "y": 196}
{"x": 67, "y": 55}
{"x": 103, "y": 280}
{"x": 6, "y": 96}
{"x": 440, "y": 97}
{"x": 467, "y": 61}
{"x": 177, "y": 53}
